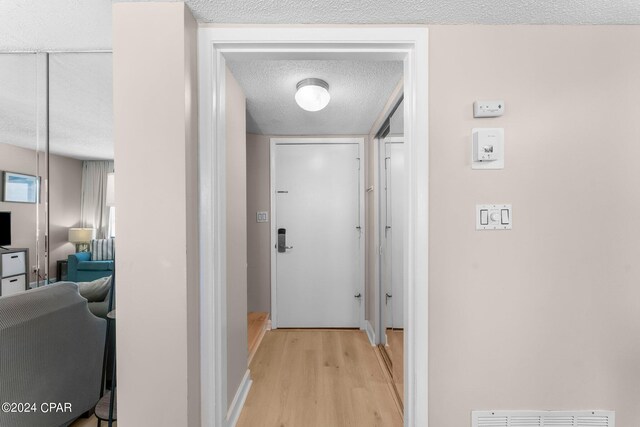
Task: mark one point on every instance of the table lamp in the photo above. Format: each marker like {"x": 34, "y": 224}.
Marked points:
{"x": 81, "y": 237}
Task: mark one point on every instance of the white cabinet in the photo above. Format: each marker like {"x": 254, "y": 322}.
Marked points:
{"x": 13, "y": 271}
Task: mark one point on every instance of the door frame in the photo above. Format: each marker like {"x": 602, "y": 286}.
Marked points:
{"x": 215, "y": 44}
{"x": 272, "y": 182}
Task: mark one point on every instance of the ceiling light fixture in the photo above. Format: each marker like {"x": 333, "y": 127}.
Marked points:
{"x": 312, "y": 94}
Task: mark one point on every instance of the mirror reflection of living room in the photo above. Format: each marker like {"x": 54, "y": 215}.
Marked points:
{"x": 57, "y": 232}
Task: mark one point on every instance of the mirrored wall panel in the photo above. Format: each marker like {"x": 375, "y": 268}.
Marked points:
{"x": 392, "y": 213}
{"x": 80, "y": 160}
{"x": 56, "y": 167}
{"x": 22, "y": 169}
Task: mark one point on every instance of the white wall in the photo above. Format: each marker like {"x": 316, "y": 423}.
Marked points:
{"x": 236, "y": 186}
{"x": 155, "y": 117}
{"x": 545, "y": 316}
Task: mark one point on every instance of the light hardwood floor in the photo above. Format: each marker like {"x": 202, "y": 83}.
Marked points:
{"x": 318, "y": 378}
{"x": 92, "y": 421}
{"x": 256, "y": 327}
{"x": 395, "y": 338}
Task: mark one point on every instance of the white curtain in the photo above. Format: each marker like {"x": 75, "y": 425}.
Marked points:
{"x": 94, "y": 211}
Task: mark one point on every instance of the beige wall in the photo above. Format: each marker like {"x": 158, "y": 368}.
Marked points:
{"x": 64, "y": 198}
{"x": 259, "y": 234}
{"x": 236, "y": 175}
{"x": 545, "y": 316}
{"x": 192, "y": 217}
{"x": 155, "y": 119}
{"x": 65, "y": 194}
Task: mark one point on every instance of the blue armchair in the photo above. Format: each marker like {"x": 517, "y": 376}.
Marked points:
{"x": 80, "y": 268}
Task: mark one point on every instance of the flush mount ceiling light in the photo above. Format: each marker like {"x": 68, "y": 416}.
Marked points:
{"x": 312, "y": 94}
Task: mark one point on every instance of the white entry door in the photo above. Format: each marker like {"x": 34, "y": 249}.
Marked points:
{"x": 316, "y": 196}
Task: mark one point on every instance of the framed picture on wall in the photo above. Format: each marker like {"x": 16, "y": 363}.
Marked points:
{"x": 20, "y": 188}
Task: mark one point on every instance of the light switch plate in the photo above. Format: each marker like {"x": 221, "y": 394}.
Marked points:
{"x": 494, "y": 217}
{"x": 262, "y": 216}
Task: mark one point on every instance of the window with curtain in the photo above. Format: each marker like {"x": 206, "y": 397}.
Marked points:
{"x": 94, "y": 211}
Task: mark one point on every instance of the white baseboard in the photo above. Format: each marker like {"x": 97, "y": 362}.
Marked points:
{"x": 238, "y": 401}
{"x": 370, "y": 332}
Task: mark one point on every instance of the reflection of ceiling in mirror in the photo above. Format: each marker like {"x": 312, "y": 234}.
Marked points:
{"x": 18, "y": 100}
{"x": 81, "y": 107}
{"x": 55, "y": 25}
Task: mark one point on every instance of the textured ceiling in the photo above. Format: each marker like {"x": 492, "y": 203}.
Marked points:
{"x": 359, "y": 91}
{"x": 86, "y": 24}
{"x": 417, "y": 11}
{"x": 80, "y": 109}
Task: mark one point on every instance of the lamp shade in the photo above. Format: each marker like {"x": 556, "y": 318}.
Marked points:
{"x": 111, "y": 190}
{"x": 312, "y": 94}
{"x": 81, "y": 235}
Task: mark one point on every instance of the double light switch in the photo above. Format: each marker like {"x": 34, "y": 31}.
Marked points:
{"x": 493, "y": 217}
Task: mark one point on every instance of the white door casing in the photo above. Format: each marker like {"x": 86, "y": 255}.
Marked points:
{"x": 316, "y": 191}
{"x": 215, "y": 44}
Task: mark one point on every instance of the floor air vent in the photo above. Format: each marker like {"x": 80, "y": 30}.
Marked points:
{"x": 543, "y": 419}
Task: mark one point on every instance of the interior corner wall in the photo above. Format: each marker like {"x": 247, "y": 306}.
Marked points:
{"x": 544, "y": 316}
{"x": 259, "y": 233}
{"x": 236, "y": 228}
{"x": 155, "y": 122}
{"x": 192, "y": 177}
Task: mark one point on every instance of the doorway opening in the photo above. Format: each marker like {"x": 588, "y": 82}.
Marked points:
{"x": 218, "y": 45}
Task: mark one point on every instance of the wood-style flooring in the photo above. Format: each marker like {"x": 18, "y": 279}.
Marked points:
{"x": 92, "y": 421}
{"x": 256, "y": 327}
{"x": 318, "y": 378}
{"x": 395, "y": 348}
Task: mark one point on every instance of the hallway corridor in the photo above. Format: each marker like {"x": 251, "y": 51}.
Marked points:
{"x": 318, "y": 378}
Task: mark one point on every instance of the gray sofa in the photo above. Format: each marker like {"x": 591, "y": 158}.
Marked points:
{"x": 51, "y": 350}
{"x": 99, "y": 307}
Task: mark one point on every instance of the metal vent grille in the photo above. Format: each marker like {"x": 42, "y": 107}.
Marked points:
{"x": 595, "y": 421}
{"x": 543, "y": 419}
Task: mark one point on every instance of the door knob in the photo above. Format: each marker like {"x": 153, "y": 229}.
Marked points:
{"x": 387, "y": 296}
{"x": 358, "y": 295}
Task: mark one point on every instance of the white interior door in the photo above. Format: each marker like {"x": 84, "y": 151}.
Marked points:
{"x": 392, "y": 232}
{"x": 317, "y": 205}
